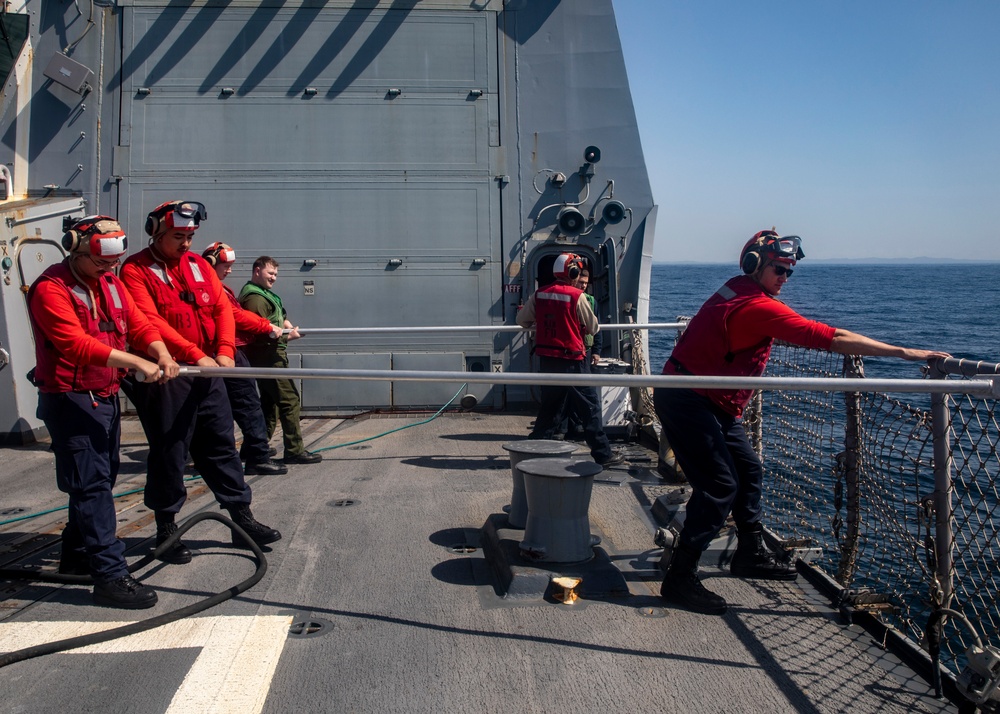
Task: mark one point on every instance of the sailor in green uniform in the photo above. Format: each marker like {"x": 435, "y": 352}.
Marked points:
{"x": 279, "y": 398}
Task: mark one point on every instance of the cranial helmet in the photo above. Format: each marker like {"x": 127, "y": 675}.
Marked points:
{"x": 567, "y": 267}
{"x": 769, "y": 245}
{"x": 100, "y": 236}
{"x": 175, "y": 215}
{"x": 219, "y": 253}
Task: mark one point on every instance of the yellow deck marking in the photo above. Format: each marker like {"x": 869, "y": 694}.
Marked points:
{"x": 231, "y": 674}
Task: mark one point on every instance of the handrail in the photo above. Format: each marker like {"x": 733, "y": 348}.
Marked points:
{"x": 967, "y": 367}
{"x": 976, "y": 387}
{"x": 469, "y": 328}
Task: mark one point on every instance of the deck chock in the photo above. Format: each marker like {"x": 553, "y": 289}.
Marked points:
{"x": 866, "y": 601}
{"x": 519, "y": 577}
{"x": 564, "y": 589}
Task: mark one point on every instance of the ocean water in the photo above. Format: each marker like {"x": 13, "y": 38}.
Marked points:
{"x": 953, "y": 307}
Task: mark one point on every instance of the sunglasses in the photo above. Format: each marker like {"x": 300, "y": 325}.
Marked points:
{"x": 781, "y": 270}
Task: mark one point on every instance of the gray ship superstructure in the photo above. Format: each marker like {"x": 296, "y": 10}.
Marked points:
{"x": 408, "y": 164}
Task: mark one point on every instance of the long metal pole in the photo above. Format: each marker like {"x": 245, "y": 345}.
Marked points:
{"x": 977, "y": 387}
{"x": 469, "y": 328}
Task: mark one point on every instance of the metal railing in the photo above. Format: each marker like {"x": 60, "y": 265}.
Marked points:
{"x": 899, "y": 497}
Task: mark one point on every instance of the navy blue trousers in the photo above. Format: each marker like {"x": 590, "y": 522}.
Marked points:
{"x": 582, "y": 400}
{"x": 723, "y": 469}
{"x": 570, "y": 421}
{"x": 245, "y": 403}
{"x": 188, "y": 414}
{"x": 85, "y": 440}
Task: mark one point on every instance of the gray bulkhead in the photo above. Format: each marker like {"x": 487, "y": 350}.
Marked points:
{"x": 395, "y": 157}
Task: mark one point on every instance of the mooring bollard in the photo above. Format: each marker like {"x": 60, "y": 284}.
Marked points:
{"x": 520, "y": 451}
{"x": 558, "y": 495}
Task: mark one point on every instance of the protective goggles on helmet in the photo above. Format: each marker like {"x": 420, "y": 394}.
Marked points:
{"x": 788, "y": 247}
{"x": 188, "y": 214}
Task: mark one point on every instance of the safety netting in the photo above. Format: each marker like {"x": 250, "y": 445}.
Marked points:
{"x": 852, "y": 476}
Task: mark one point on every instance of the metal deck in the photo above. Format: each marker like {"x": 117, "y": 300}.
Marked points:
{"x": 395, "y": 607}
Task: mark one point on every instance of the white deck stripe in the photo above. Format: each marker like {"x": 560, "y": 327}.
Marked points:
{"x": 231, "y": 674}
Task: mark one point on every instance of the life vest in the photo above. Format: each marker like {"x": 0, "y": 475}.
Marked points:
{"x": 277, "y": 316}
{"x": 277, "y": 308}
{"x": 557, "y": 328}
{"x": 187, "y": 304}
{"x": 54, "y": 373}
{"x": 704, "y": 349}
{"x": 588, "y": 340}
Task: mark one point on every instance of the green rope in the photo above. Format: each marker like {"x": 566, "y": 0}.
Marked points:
{"x": 406, "y": 426}
{"x": 63, "y": 508}
{"x": 326, "y": 448}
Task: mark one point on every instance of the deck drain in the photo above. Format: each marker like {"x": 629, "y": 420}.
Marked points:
{"x": 310, "y": 627}
{"x": 342, "y": 502}
{"x": 359, "y": 447}
{"x": 649, "y": 611}
{"x": 12, "y": 511}
{"x": 463, "y": 548}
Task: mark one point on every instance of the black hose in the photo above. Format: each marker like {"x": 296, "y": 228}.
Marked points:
{"x": 143, "y": 625}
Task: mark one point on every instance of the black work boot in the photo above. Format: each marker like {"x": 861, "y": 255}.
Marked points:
{"x": 306, "y": 457}
{"x": 258, "y": 532}
{"x": 682, "y": 587}
{"x": 125, "y": 592}
{"x": 753, "y": 560}
{"x": 165, "y": 527}
{"x": 268, "y": 467}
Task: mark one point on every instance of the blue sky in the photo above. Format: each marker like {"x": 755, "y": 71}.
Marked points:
{"x": 871, "y": 129}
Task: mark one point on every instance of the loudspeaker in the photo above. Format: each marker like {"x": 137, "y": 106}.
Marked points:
{"x": 571, "y": 221}
{"x": 613, "y": 212}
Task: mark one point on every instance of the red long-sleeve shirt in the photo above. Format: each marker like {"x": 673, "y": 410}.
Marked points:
{"x": 139, "y": 280}
{"x": 763, "y": 318}
{"x": 54, "y": 312}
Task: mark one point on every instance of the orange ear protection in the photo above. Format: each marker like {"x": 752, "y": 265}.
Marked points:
{"x": 750, "y": 257}
{"x": 101, "y": 236}
{"x": 219, "y": 252}
{"x": 567, "y": 266}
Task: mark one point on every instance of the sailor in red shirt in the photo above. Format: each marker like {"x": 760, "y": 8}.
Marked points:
{"x": 183, "y": 297}
{"x": 243, "y": 397}
{"x": 731, "y": 336}
{"x": 82, "y": 316}
{"x": 561, "y": 316}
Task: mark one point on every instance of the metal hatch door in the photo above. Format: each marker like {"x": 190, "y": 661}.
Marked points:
{"x": 353, "y": 144}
